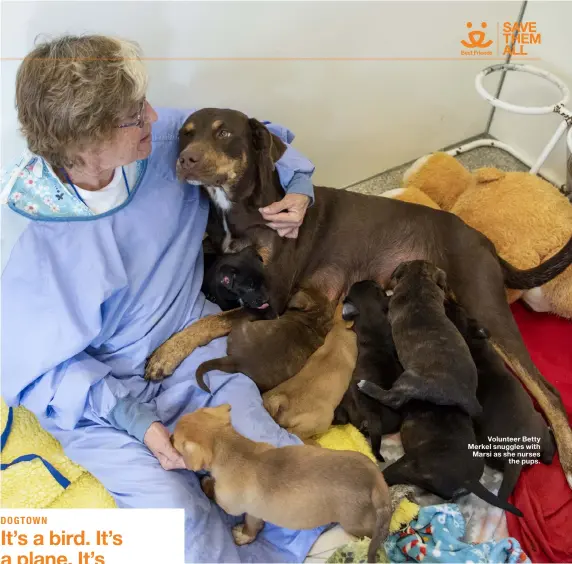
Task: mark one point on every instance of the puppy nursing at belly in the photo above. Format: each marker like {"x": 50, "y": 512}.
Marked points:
{"x": 437, "y": 361}
{"x": 296, "y": 487}
{"x": 305, "y": 403}
{"x": 367, "y": 306}
{"x": 269, "y": 351}
{"x": 508, "y": 411}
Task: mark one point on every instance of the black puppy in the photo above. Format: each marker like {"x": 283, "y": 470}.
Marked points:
{"x": 508, "y": 411}
{"x": 235, "y": 280}
{"x": 437, "y": 361}
{"x": 437, "y": 457}
{"x": 367, "y": 305}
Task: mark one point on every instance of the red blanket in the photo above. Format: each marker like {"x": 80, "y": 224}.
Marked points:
{"x": 542, "y": 494}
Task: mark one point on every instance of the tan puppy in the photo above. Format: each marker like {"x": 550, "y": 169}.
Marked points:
{"x": 295, "y": 487}
{"x": 305, "y": 403}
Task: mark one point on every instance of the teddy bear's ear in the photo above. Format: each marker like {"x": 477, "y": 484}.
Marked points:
{"x": 488, "y": 174}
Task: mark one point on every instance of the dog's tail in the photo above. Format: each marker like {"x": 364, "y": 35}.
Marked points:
{"x": 539, "y": 275}
{"x": 480, "y": 491}
{"x": 382, "y": 504}
{"x": 224, "y": 364}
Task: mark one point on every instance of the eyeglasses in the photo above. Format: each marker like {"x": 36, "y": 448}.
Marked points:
{"x": 140, "y": 116}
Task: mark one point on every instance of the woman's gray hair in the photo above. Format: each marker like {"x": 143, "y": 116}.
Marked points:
{"x": 73, "y": 91}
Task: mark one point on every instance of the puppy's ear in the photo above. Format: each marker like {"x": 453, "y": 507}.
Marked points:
{"x": 441, "y": 278}
{"x": 196, "y": 456}
{"x": 301, "y": 301}
{"x": 264, "y": 142}
{"x": 396, "y": 276}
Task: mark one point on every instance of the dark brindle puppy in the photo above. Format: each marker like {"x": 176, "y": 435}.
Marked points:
{"x": 367, "y": 305}
{"x": 287, "y": 341}
{"x": 437, "y": 361}
{"x": 437, "y": 457}
{"x": 507, "y": 408}
{"x": 347, "y": 237}
{"x": 235, "y": 280}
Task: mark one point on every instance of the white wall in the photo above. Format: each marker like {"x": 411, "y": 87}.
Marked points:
{"x": 353, "y": 118}
{"x": 531, "y": 133}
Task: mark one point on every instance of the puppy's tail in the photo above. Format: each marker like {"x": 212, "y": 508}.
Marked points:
{"x": 539, "y": 275}
{"x": 224, "y": 364}
{"x": 480, "y": 491}
{"x": 382, "y": 521}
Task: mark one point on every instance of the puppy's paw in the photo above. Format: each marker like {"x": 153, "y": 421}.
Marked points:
{"x": 162, "y": 363}
{"x": 208, "y": 486}
{"x": 240, "y": 537}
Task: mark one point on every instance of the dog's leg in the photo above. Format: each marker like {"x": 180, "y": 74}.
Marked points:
{"x": 208, "y": 486}
{"x": 482, "y": 294}
{"x": 511, "y": 473}
{"x": 172, "y": 352}
{"x": 394, "y": 397}
{"x": 246, "y": 532}
{"x": 375, "y": 433}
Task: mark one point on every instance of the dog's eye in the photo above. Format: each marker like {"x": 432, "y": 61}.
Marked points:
{"x": 223, "y": 134}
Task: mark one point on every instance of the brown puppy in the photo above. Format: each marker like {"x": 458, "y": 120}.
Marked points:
{"x": 296, "y": 487}
{"x": 346, "y": 237}
{"x": 305, "y": 403}
{"x": 271, "y": 351}
{"x": 437, "y": 361}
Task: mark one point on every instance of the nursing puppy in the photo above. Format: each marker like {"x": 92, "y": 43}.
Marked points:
{"x": 437, "y": 457}
{"x": 437, "y": 361}
{"x": 296, "y": 487}
{"x": 235, "y": 280}
{"x": 508, "y": 411}
{"x": 367, "y": 306}
{"x": 305, "y": 403}
{"x": 271, "y": 351}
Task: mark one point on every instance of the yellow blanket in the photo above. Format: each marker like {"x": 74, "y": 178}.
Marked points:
{"x": 30, "y": 485}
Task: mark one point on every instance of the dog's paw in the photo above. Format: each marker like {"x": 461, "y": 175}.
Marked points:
{"x": 208, "y": 486}
{"x": 240, "y": 537}
{"x": 162, "y": 363}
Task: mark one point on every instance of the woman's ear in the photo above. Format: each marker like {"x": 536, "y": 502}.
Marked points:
{"x": 196, "y": 456}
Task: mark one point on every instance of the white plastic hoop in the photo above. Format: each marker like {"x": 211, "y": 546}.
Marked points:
{"x": 534, "y": 110}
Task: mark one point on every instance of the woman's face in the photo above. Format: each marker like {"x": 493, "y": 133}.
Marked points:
{"x": 130, "y": 143}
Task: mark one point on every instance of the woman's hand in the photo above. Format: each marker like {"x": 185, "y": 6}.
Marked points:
{"x": 287, "y": 223}
{"x": 158, "y": 441}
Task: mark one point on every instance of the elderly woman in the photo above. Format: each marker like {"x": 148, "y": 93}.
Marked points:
{"x": 102, "y": 252}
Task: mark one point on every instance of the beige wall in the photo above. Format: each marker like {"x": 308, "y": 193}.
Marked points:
{"x": 530, "y": 134}
{"x": 353, "y": 118}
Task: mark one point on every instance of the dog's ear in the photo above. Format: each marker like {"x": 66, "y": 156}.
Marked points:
{"x": 196, "y": 456}
{"x": 264, "y": 142}
{"x": 441, "y": 278}
{"x": 301, "y": 301}
{"x": 396, "y": 276}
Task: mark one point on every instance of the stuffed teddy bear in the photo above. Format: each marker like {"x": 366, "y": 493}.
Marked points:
{"x": 526, "y": 218}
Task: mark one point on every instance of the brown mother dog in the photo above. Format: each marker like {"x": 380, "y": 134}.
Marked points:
{"x": 347, "y": 237}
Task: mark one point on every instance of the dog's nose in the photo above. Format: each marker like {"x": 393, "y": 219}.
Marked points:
{"x": 190, "y": 158}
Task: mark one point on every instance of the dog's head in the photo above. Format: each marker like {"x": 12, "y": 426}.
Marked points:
{"x": 241, "y": 275}
{"x": 219, "y": 147}
{"x": 417, "y": 270}
{"x": 195, "y": 433}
